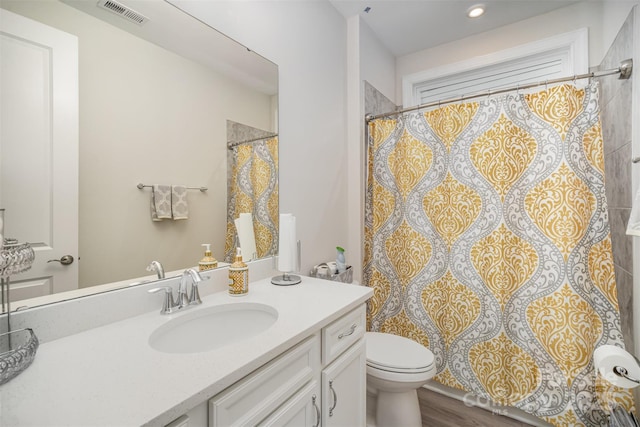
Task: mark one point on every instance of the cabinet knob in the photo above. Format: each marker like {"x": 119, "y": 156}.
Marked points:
{"x": 335, "y": 398}
{"x": 315, "y": 405}
{"x": 346, "y": 334}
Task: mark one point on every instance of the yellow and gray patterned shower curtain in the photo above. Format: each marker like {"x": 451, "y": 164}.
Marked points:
{"x": 487, "y": 240}
{"x": 253, "y": 188}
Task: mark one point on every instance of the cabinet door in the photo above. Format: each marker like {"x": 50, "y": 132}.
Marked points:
{"x": 301, "y": 410}
{"x": 256, "y": 396}
{"x": 344, "y": 389}
{"x": 197, "y": 417}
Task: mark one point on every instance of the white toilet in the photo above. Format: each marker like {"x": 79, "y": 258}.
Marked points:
{"x": 396, "y": 368}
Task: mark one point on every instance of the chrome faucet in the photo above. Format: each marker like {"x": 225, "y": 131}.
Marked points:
{"x": 157, "y": 267}
{"x": 183, "y": 301}
{"x": 194, "y": 297}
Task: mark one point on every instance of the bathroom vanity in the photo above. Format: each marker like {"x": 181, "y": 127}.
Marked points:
{"x": 307, "y": 368}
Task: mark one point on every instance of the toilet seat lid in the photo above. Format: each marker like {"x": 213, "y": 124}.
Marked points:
{"x": 396, "y": 353}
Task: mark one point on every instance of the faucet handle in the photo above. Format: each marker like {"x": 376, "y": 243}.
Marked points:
{"x": 194, "y": 296}
{"x": 168, "y": 304}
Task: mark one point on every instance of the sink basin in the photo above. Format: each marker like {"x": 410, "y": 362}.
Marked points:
{"x": 209, "y": 328}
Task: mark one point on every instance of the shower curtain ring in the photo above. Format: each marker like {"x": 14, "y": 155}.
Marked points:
{"x": 546, "y": 85}
{"x": 518, "y": 89}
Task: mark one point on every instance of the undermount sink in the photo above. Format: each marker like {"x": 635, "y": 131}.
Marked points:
{"x": 209, "y": 328}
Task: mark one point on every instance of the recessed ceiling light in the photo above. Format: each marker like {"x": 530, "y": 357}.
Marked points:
{"x": 475, "y": 10}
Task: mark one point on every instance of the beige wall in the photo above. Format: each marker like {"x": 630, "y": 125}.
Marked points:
{"x": 147, "y": 115}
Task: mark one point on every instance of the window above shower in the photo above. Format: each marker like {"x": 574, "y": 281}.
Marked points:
{"x": 559, "y": 56}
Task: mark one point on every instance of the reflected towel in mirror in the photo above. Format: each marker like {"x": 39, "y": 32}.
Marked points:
{"x": 160, "y": 202}
{"x": 246, "y": 236}
{"x": 179, "y": 206}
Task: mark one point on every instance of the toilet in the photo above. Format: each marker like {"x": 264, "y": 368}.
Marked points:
{"x": 396, "y": 368}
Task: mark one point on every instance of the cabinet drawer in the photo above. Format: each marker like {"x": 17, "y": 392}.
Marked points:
{"x": 301, "y": 410}
{"x": 339, "y": 335}
{"x": 253, "y": 398}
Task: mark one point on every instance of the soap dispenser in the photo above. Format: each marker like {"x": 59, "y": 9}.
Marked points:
{"x": 238, "y": 276}
{"x": 341, "y": 263}
{"x": 208, "y": 262}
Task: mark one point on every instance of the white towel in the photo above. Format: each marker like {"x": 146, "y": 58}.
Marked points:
{"x": 179, "y": 206}
{"x": 160, "y": 202}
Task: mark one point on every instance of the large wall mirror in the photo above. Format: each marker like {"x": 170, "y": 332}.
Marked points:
{"x": 158, "y": 103}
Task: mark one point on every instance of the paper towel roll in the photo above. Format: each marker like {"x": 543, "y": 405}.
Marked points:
{"x": 287, "y": 244}
{"x": 246, "y": 236}
{"x": 606, "y": 357}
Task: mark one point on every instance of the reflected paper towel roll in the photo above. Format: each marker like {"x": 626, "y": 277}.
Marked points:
{"x": 287, "y": 244}
{"x": 246, "y": 236}
{"x": 607, "y": 357}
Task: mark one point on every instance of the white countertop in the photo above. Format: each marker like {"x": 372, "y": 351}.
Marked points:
{"x": 111, "y": 376}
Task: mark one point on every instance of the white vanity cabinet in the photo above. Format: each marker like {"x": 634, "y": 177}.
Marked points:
{"x": 320, "y": 381}
{"x": 303, "y": 409}
{"x": 253, "y": 399}
{"x": 344, "y": 371}
{"x": 197, "y": 417}
{"x": 306, "y": 369}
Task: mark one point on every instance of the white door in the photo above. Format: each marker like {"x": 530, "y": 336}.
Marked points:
{"x": 39, "y": 150}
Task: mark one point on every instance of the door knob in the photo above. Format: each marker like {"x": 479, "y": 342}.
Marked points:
{"x": 65, "y": 260}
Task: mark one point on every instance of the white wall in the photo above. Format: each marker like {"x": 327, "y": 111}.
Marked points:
{"x": 308, "y": 42}
{"x": 368, "y": 59}
{"x": 377, "y": 63}
{"x": 355, "y": 149}
{"x": 603, "y": 19}
{"x": 147, "y": 115}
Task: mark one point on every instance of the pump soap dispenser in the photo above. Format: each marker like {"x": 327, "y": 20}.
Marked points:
{"x": 238, "y": 276}
{"x": 208, "y": 262}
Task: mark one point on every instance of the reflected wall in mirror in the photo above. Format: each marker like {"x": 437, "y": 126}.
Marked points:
{"x": 153, "y": 104}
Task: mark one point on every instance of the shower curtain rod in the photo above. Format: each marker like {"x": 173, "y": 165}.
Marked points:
{"x": 624, "y": 70}
{"x": 230, "y": 145}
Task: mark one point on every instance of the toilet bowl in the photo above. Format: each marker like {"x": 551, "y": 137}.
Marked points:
{"x": 396, "y": 368}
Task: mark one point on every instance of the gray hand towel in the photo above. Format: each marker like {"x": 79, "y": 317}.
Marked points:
{"x": 160, "y": 202}
{"x": 179, "y": 206}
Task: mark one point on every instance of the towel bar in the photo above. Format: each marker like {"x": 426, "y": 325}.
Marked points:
{"x": 202, "y": 189}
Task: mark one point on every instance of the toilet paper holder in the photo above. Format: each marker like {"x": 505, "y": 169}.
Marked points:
{"x": 622, "y": 372}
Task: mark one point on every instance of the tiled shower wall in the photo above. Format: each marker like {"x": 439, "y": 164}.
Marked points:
{"x": 616, "y": 110}
{"x": 375, "y": 102}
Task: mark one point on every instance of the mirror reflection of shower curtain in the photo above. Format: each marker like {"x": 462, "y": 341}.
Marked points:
{"x": 253, "y": 188}
{"x": 487, "y": 240}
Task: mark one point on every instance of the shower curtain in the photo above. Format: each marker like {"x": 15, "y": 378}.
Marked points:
{"x": 487, "y": 240}
{"x": 253, "y": 188}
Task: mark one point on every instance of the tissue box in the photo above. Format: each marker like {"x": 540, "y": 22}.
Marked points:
{"x": 344, "y": 277}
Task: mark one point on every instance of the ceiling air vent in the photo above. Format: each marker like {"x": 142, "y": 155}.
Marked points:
{"x": 124, "y": 11}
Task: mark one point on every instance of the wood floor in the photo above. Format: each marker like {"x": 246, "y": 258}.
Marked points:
{"x": 442, "y": 411}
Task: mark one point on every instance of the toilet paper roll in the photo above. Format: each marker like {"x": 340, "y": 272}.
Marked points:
{"x": 607, "y": 357}
{"x": 246, "y": 236}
